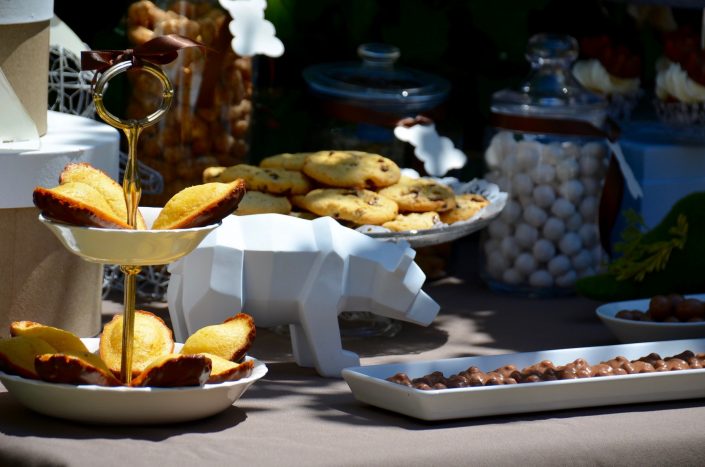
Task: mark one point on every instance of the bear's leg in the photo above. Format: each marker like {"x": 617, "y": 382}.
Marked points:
{"x": 321, "y": 332}
{"x": 301, "y": 347}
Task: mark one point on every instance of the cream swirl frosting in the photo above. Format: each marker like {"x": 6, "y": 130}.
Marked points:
{"x": 593, "y": 75}
{"x": 673, "y": 81}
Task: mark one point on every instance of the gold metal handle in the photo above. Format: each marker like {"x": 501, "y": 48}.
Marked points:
{"x": 131, "y": 187}
{"x": 149, "y": 120}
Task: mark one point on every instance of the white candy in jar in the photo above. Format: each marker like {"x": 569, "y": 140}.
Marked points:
{"x": 543, "y": 174}
{"x": 582, "y": 260}
{"x": 534, "y": 215}
{"x": 553, "y": 229}
{"x": 497, "y": 264}
{"x": 551, "y": 153}
{"x": 593, "y": 150}
{"x": 588, "y": 207}
{"x": 570, "y": 149}
{"x": 563, "y": 208}
{"x": 490, "y": 246}
{"x": 502, "y": 143}
{"x": 511, "y": 212}
{"x": 572, "y": 190}
{"x": 589, "y": 166}
{"x": 525, "y": 263}
{"x": 592, "y": 186}
{"x": 512, "y": 277}
{"x": 498, "y": 229}
{"x": 574, "y": 222}
{"x": 588, "y": 234}
{"x": 541, "y": 279}
{"x": 526, "y": 235}
{"x": 570, "y": 243}
{"x": 509, "y": 248}
{"x": 567, "y": 170}
{"x": 509, "y": 163}
{"x": 543, "y": 250}
{"x": 549, "y": 235}
{"x": 544, "y": 196}
{"x": 522, "y": 184}
{"x": 559, "y": 265}
{"x": 528, "y": 154}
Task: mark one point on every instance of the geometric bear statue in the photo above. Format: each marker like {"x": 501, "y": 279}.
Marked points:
{"x": 285, "y": 270}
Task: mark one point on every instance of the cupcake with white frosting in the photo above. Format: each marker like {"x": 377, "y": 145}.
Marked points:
{"x": 680, "y": 81}
{"x": 610, "y": 70}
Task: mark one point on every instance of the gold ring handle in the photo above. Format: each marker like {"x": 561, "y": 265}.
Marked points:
{"x": 149, "y": 120}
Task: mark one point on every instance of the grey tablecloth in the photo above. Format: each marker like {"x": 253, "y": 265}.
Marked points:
{"x": 294, "y": 417}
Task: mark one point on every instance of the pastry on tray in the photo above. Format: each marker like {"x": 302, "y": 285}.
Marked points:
{"x": 152, "y": 338}
{"x": 109, "y": 189}
{"x": 175, "y": 370}
{"x": 88, "y": 197}
{"x": 229, "y": 340}
{"x": 78, "y": 204}
{"x": 200, "y": 205}
{"x": 680, "y": 80}
{"x": 74, "y": 368}
{"x": 356, "y": 188}
{"x": 611, "y": 70}
{"x": 213, "y": 354}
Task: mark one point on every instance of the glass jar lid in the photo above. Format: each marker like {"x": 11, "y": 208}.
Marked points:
{"x": 550, "y": 90}
{"x": 376, "y": 83}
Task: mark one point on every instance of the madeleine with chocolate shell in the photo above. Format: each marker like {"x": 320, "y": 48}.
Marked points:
{"x": 175, "y": 370}
{"x": 200, "y": 205}
{"x": 74, "y": 368}
{"x": 77, "y": 203}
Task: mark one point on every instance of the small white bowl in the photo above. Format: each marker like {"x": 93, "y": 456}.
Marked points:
{"x": 628, "y": 331}
{"x": 129, "y": 247}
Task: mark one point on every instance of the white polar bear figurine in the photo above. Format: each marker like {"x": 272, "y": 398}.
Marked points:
{"x": 284, "y": 270}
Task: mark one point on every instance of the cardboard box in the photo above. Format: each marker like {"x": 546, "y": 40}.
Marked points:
{"x": 24, "y": 53}
{"x": 39, "y": 279}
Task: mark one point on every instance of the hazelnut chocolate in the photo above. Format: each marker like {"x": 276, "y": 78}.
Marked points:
{"x": 547, "y": 371}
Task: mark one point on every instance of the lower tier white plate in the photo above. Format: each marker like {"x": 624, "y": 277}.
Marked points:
{"x": 126, "y": 405}
{"x": 368, "y": 384}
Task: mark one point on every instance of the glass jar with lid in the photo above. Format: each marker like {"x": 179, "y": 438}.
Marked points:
{"x": 361, "y": 102}
{"x": 209, "y": 122}
{"x": 549, "y": 152}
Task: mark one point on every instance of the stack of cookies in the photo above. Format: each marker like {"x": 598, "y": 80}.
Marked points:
{"x": 356, "y": 188}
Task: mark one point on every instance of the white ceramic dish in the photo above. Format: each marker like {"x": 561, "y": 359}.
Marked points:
{"x": 368, "y": 383}
{"x": 125, "y": 405}
{"x": 642, "y": 331}
{"x": 133, "y": 247}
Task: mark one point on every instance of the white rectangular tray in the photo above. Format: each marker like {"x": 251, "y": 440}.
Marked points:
{"x": 368, "y": 384}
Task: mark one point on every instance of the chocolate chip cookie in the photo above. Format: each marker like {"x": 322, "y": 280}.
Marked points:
{"x": 466, "y": 206}
{"x": 358, "y": 206}
{"x": 256, "y": 202}
{"x": 351, "y": 169}
{"x": 420, "y": 195}
{"x": 288, "y": 161}
{"x": 413, "y": 221}
{"x": 275, "y": 181}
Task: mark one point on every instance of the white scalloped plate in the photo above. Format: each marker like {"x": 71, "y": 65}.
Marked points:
{"x": 125, "y": 405}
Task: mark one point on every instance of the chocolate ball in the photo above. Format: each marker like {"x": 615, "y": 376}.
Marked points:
{"x": 660, "y": 307}
{"x": 689, "y": 308}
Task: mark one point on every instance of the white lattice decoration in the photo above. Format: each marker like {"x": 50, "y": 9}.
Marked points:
{"x": 69, "y": 86}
